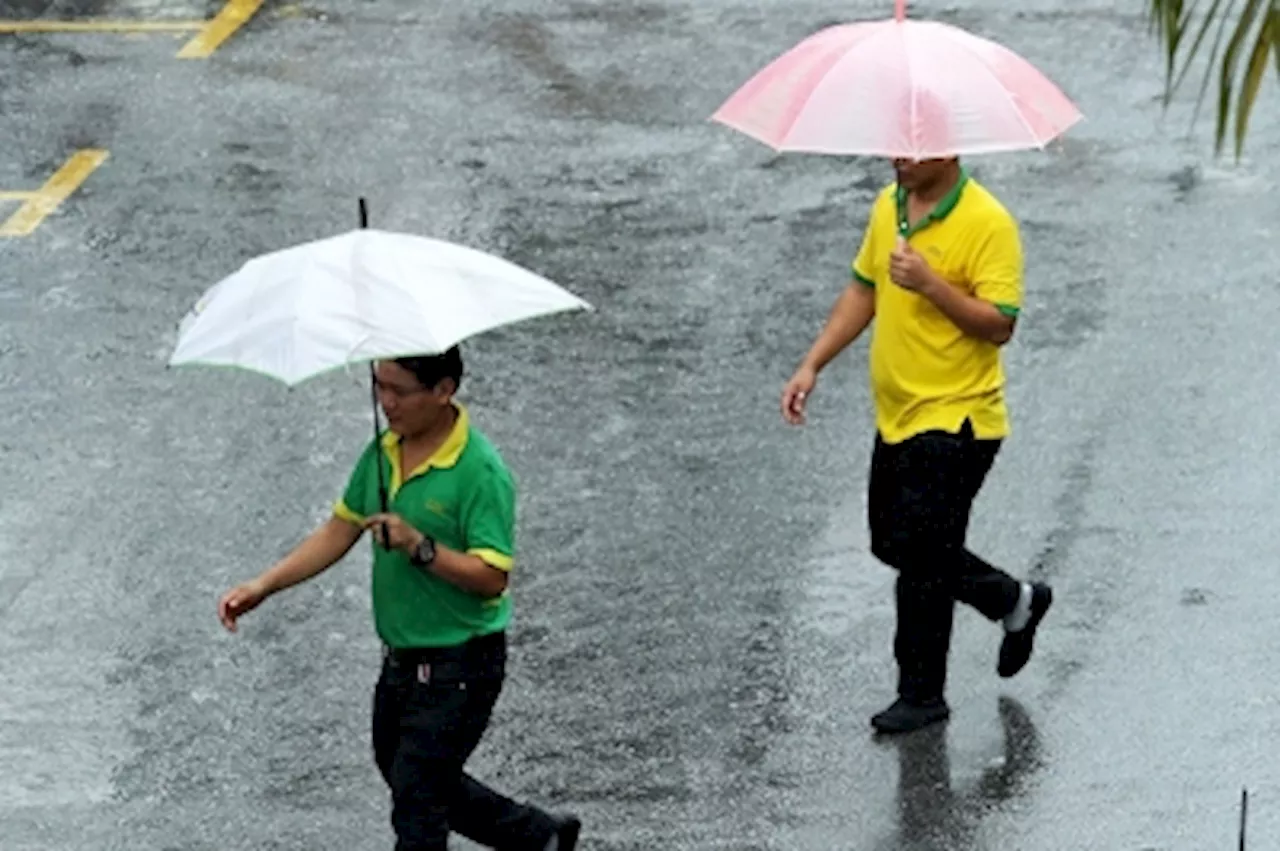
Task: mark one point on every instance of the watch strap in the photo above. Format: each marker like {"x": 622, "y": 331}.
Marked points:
{"x": 424, "y": 553}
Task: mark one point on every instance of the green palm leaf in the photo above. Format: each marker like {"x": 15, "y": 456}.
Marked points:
{"x": 1251, "y": 32}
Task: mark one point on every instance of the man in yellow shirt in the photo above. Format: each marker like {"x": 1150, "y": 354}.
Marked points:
{"x": 940, "y": 272}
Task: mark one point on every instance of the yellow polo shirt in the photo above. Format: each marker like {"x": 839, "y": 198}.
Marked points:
{"x": 927, "y": 374}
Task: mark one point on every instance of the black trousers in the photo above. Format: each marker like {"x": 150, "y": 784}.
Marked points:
{"x": 430, "y": 709}
{"x": 920, "y": 497}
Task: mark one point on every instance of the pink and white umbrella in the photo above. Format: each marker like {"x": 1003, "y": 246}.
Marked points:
{"x": 899, "y": 88}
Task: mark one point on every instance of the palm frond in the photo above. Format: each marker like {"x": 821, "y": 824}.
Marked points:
{"x": 1250, "y": 29}
{"x": 1267, "y": 42}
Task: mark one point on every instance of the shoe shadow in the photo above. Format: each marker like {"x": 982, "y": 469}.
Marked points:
{"x": 934, "y": 816}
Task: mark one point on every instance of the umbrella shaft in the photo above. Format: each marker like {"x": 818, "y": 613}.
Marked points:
{"x": 377, "y": 443}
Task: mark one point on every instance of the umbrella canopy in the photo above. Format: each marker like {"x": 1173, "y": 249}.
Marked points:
{"x": 362, "y": 296}
{"x": 899, "y": 88}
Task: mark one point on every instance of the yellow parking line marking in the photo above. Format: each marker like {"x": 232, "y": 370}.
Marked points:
{"x": 220, "y": 28}
{"x": 56, "y": 189}
{"x": 103, "y": 26}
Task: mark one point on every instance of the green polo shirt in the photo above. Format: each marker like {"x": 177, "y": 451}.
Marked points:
{"x": 464, "y": 497}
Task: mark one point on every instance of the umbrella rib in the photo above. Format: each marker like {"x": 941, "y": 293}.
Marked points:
{"x": 241, "y": 341}
{"x": 341, "y": 271}
{"x": 843, "y": 55}
{"x": 412, "y": 274}
{"x": 1004, "y": 90}
{"x": 361, "y": 287}
{"x": 911, "y": 87}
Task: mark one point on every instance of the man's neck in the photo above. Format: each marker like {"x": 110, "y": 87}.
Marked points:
{"x": 434, "y": 437}
{"x": 936, "y": 191}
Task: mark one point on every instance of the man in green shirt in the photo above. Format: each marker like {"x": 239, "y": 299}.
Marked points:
{"x": 443, "y": 550}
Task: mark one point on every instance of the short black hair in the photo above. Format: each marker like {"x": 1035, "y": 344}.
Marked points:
{"x": 430, "y": 370}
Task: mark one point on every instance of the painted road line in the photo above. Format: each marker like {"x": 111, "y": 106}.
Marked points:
{"x": 16, "y": 27}
{"x": 56, "y": 189}
{"x": 17, "y": 196}
{"x": 220, "y": 28}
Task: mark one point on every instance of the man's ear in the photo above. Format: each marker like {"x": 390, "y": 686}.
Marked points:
{"x": 446, "y": 388}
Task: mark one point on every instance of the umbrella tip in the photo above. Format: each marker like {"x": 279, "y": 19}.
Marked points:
{"x": 364, "y": 212}
{"x": 899, "y": 10}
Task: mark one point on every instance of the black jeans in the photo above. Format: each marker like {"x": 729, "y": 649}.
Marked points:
{"x": 431, "y": 708}
{"x": 919, "y": 501}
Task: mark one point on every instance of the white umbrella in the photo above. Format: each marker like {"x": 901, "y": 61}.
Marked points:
{"x": 363, "y": 296}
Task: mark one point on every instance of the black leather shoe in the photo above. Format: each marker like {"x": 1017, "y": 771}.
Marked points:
{"x": 1015, "y": 649}
{"x": 566, "y": 838}
{"x": 904, "y": 717}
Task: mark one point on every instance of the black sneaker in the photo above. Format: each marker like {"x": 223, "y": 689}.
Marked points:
{"x": 1015, "y": 649}
{"x": 905, "y": 717}
{"x": 566, "y": 836}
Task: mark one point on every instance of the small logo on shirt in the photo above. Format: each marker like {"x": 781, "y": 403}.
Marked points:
{"x": 435, "y": 507}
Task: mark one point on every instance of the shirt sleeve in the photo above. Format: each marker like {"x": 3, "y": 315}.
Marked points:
{"x": 489, "y": 518}
{"x": 997, "y": 277}
{"x": 359, "y": 499}
{"x": 864, "y": 264}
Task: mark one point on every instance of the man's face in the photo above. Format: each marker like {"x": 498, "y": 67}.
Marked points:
{"x": 410, "y": 408}
{"x": 915, "y": 175}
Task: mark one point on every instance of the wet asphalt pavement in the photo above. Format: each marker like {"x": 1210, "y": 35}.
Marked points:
{"x": 701, "y": 632}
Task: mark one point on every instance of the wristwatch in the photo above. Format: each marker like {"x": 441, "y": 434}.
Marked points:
{"x": 424, "y": 553}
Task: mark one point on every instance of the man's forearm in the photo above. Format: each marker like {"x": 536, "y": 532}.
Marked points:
{"x": 317, "y": 553}
{"x": 468, "y": 572}
{"x": 849, "y": 317}
{"x": 972, "y": 315}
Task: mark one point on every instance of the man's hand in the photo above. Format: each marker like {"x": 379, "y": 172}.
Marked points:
{"x": 970, "y": 314}
{"x": 240, "y": 600}
{"x": 321, "y": 549}
{"x": 796, "y": 392}
{"x": 402, "y": 535}
{"x": 465, "y": 570}
{"x": 909, "y": 270}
